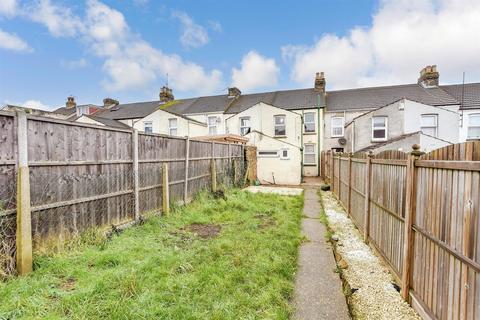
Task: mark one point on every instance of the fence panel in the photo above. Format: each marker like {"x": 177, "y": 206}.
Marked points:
{"x": 343, "y": 180}
{"x": 357, "y": 192}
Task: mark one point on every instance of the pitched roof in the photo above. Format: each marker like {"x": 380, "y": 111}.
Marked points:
{"x": 375, "y": 97}
{"x": 130, "y": 110}
{"x": 468, "y": 96}
{"x": 109, "y": 122}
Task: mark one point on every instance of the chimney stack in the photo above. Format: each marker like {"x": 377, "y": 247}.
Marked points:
{"x": 234, "y": 92}
{"x": 109, "y": 102}
{"x": 320, "y": 82}
{"x": 70, "y": 102}
{"x": 429, "y": 76}
{"x": 166, "y": 94}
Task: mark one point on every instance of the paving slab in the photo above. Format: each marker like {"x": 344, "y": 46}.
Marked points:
{"x": 318, "y": 289}
{"x": 285, "y": 191}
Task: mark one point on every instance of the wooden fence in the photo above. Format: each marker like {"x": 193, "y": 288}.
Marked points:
{"x": 82, "y": 176}
{"x": 420, "y": 212}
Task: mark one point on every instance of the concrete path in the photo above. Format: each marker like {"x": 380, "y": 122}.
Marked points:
{"x": 318, "y": 289}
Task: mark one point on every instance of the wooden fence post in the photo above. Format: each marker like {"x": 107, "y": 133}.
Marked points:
{"x": 349, "y": 182}
{"x": 136, "y": 204}
{"x": 229, "y": 163}
{"x": 234, "y": 165}
{"x": 24, "y": 216}
{"x": 332, "y": 165}
{"x": 165, "y": 189}
{"x": 187, "y": 155}
{"x": 368, "y": 181}
{"x": 213, "y": 171}
{"x": 410, "y": 208}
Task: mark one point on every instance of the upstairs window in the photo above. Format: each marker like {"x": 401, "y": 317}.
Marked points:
{"x": 309, "y": 122}
{"x": 429, "y": 124}
{"x": 474, "y": 126}
{"x": 244, "y": 125}
{"x": 212, "y": 125}
{"x": 379, "y": 128}
{"x": 280, "y": 128}
{"x": 172, "y": 126}
{"x": 148, "y": 126}
{"x": 337, "y": 127}
{"x": 83, "y": 110}
{"x": 309, "y": 155}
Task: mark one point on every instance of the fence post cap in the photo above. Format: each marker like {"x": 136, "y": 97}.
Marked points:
{"x": 416, "y": 150}
{"x": 370, "y": 154}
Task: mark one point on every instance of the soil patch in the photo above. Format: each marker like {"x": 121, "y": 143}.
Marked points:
{"x": 265, "y": 221}
{"x": 204, "y": 231}
{"x": 68, "y": 284}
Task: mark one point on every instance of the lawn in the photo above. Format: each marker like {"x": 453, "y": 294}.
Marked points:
{"x": 213, "y": 259}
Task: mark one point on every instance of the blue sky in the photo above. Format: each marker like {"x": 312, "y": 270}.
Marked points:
{"x": 123, "y": 49}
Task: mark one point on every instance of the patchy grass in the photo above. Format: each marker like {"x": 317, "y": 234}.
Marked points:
{"x": 213, "y": 259}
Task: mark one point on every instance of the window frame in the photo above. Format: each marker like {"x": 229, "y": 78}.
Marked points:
{"x": 212, "y": 126}
{"x": 472, "y": 126}
{"x": 332, "y": 135}
{"x": 305, "y": 153}
{"x": 267, "y": 154}
{"x": 284, "y": 157}
{"x": 245, "y": 127}
{"x": 170, "y": 128}
{"x": 385, "y": 128}
{"x": 435, "y": 115}
{"x": 150, "y": 125}
{"x": 275, "y": 125}
{"x": 310, "y": 122}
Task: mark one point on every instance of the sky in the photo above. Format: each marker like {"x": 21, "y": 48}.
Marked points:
{"x": 50, "y": 49}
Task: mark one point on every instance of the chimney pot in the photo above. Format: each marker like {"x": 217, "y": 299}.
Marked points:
{"x": 234, "y": 92}
{"x": 70, "y": 102}
{"x": 109, "y": 102}
{"x": 166, "y": 94}
{"x": 429, "y": 76}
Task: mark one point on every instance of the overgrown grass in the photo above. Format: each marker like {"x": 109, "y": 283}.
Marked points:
{"x": 160, "y": 270}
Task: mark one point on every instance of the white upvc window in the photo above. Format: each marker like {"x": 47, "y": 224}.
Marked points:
{"x": 81, "y": 110}
{"x": 337, "y": 125}
{"x": 474, "y": 126}
{"x": 379, "y": 128}
{"x": 429, "y": 124}
{"x": 280, "y": 127}
{"x": 309, "y": 154}
{"x": 284, "y": 154}
{"x": 244, "y": 125}
{"x": 212, "y": 125}
{"x": 172, "y": 126}
{"x": 309, "y": 122}
{"x": 148, "y": 126}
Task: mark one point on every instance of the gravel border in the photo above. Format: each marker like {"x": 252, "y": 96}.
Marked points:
{"x": 372, "y": 294}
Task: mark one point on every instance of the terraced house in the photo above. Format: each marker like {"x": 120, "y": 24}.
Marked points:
{"x": 291, "y": 127}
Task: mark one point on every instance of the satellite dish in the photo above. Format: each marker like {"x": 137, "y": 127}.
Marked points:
{"x": 342, "y": 141}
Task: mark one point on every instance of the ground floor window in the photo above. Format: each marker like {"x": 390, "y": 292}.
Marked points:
{"x": 172, "y": 126}
{"x": 267, "y": 153}
{"x": 474, "y": 126}
{"x": 309, "y": 155}
{"x": 284, "y": 154}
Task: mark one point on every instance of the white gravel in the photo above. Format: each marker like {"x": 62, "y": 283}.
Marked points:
{"x": 277, "y": 190}
{"x": 374, "y": 297}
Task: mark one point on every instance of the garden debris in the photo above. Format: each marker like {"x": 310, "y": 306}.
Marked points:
{"x": 204, "y": 231}
{"x": 374, "y": 296}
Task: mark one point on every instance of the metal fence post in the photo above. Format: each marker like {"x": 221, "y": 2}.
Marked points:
{"x": 165, "y": 189}
{"x": 136, "y": 209}
{"x": 368, "y": 181}
{"x": 24, "y": 216}
{"x": 187, "y": 155}
{"x": 410, "y": 208}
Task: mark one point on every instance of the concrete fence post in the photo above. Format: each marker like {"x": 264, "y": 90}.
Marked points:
{"x": 136, "y": 203}
{"x": 410, "y": 208}
{"x": 187, "y": 155}
{"x": 349, "y": 203}
{"x": 165, "y": 190}
{"x": 24, "y": 216}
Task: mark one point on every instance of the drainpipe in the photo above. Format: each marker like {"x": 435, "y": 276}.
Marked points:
{"x": 318, "y": 134}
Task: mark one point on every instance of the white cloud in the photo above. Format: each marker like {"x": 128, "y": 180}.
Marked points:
{"x": 8, "y": 8}
{"x": 35, "y": 104}
{"x": 74, "y": 64}
{"x": 11, "y": 41}
{"x": 215, "y": 25}
{"x": 256, "y": 71}
{"x": 405, "y": 35}
{"x": 194, "y": 35}
{"x": 131, "y": 62}
{"x": 60, "y": 20}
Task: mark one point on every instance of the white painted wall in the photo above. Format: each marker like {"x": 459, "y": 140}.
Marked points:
{"x": 274, "y": 169}
{"x": 160, "y": 124}
{"x": 203, "y": 117}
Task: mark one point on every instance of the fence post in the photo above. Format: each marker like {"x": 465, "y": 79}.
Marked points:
{"x": 339, "y": 195}
{"x": 165, "y": 189}
{"x": 349, "y": 182}
{"x": 24, "y": 216}
{"x": 368, "y": 178}
{"x": 410, "y": 207}
{"x": 234, "y": 165}
{"x": 136, "y": 204}
{"x": 229, "y": 163}
{"x": 332, "y": 165}
{"x": 187, "y": 155}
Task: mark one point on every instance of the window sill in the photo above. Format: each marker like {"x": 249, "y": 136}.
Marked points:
{"x": 309, "y": 133}
{"x": 379, "y": 140}
{"x": 337, "y": 136}
{"x": 279, "y": 136}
